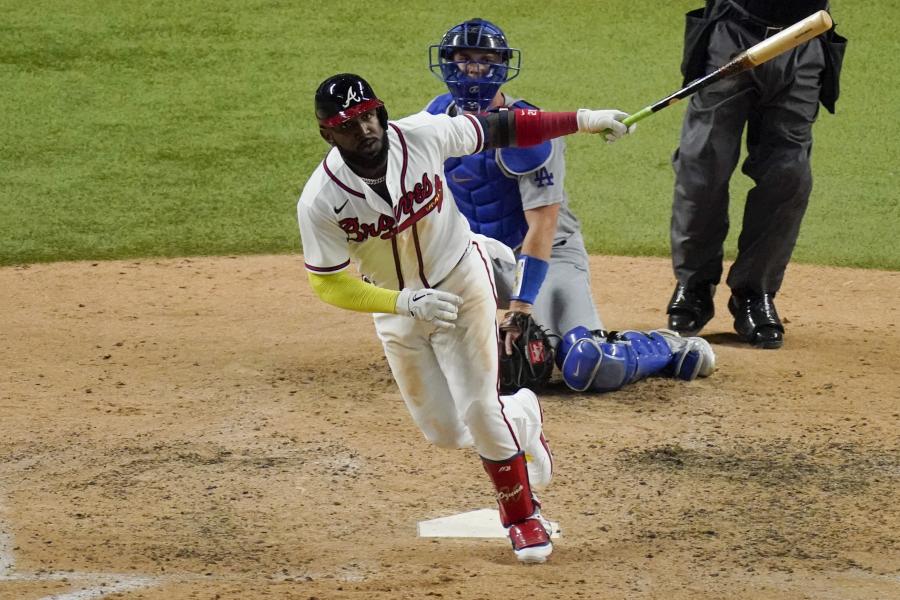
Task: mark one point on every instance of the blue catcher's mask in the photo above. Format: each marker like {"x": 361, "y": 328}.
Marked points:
{"x": 474, "y": 83}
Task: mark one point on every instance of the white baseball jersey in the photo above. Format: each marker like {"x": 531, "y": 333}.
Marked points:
{"x": 448, "y": 378}
{"x": 414, "y": 243}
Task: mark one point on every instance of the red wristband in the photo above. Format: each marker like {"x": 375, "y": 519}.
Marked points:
{"x": 534, "y": 126}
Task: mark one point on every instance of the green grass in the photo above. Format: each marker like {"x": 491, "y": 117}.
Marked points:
{"x": 134, "y": 129}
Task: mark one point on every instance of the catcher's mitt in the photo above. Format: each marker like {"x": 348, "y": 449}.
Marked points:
{"x": 531, "y": 361}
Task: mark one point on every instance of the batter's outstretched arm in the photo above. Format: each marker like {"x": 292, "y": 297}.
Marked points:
{"x": 527, "y": 127}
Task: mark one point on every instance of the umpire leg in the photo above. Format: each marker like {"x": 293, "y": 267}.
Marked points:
{"x": 779, "y": 141}
{"x": 704, "y": 161}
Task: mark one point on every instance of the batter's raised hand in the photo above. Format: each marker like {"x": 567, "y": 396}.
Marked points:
{"x": 606, "y": 122}
{"x": 433, "y": 306}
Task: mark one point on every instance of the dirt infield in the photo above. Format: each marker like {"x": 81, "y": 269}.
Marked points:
{"x": 206, "y": 428}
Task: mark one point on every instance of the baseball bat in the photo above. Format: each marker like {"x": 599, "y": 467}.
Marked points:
{"x": 769, "y": 48}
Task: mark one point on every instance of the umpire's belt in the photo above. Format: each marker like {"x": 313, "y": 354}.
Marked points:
{"x": 752, "y": 23}
{"x": 763, "y": 31}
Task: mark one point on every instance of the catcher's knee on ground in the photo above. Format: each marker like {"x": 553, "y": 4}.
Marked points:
{"x": 606, "y": 362}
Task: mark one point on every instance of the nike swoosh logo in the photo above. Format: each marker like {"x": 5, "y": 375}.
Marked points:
{"x": 417, "y": 298}
{"x": 337, "y": 210}
{"x": 461, "y": 179}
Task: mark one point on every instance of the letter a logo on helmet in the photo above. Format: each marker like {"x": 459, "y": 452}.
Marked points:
{"x": 345, "y": 96}
{"x": 352, "y": 97}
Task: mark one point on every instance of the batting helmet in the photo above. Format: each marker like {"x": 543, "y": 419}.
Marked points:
{"x": 474, "y": 93}
{"x": 344, "y": 96}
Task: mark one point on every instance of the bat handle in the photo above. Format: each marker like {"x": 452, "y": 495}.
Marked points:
{"x": 635, "y": 117}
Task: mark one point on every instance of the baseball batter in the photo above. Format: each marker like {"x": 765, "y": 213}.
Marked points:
{"x": 379, "y": 198}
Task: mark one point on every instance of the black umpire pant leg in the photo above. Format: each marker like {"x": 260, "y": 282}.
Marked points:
{"x": 779, "y": 143}
{"x": 707, "y": 155}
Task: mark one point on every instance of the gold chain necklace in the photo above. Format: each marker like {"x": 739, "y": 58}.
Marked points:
{"x": 372, "y": 181}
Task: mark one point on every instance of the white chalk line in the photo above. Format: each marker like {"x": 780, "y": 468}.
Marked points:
{"x": 97, "y": 585}
{"x": 7, "y": 560}
{"x": 90, "y": 585}
{"x": 99, "y": 592}
{"x": 7, "y": 563}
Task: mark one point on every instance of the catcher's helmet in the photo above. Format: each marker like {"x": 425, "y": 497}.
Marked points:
{"x": 474, "y": 94}
{"x": 344, "y": 96}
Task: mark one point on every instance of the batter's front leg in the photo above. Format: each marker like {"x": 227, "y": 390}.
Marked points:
{"x": 467, "y": 356}
{"x": 423, "y": 386}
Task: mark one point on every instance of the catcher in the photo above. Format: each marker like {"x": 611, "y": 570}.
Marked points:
{"x": 514, "y": 195}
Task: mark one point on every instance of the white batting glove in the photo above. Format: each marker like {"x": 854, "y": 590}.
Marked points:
{"x": 434, "y": 306}
{"x": 606, "y": 122}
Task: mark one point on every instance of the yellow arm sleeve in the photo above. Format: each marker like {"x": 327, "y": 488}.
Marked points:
{"x": 344, "y": 291}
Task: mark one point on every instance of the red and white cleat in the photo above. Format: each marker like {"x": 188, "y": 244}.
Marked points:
{"x": 531, "y": 539}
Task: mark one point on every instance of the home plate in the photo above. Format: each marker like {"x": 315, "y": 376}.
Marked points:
{"x": 482, "y": 523}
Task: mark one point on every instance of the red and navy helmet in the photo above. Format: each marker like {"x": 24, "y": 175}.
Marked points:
{"x": 344, "y": 96}
{"x": 474, "y": 94}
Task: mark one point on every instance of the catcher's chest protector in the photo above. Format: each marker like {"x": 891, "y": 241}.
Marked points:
{"x": 488, "y": 198}
{"x": 485, "y": 194}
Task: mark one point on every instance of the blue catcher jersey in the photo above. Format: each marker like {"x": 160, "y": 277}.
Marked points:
{"x": 486, "y": 187}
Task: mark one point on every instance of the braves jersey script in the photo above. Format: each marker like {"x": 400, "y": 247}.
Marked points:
{"x": 417, "y": 240}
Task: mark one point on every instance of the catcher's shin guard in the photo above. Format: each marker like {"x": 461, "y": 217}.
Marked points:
{"x": 519, "y": 512}
{"x": 604, "y": 362}
{"x": 651, "y": 353}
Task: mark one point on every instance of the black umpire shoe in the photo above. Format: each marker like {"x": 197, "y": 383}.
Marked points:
{"x": 756, "y": 320}
{"x": 691, "y": 308}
